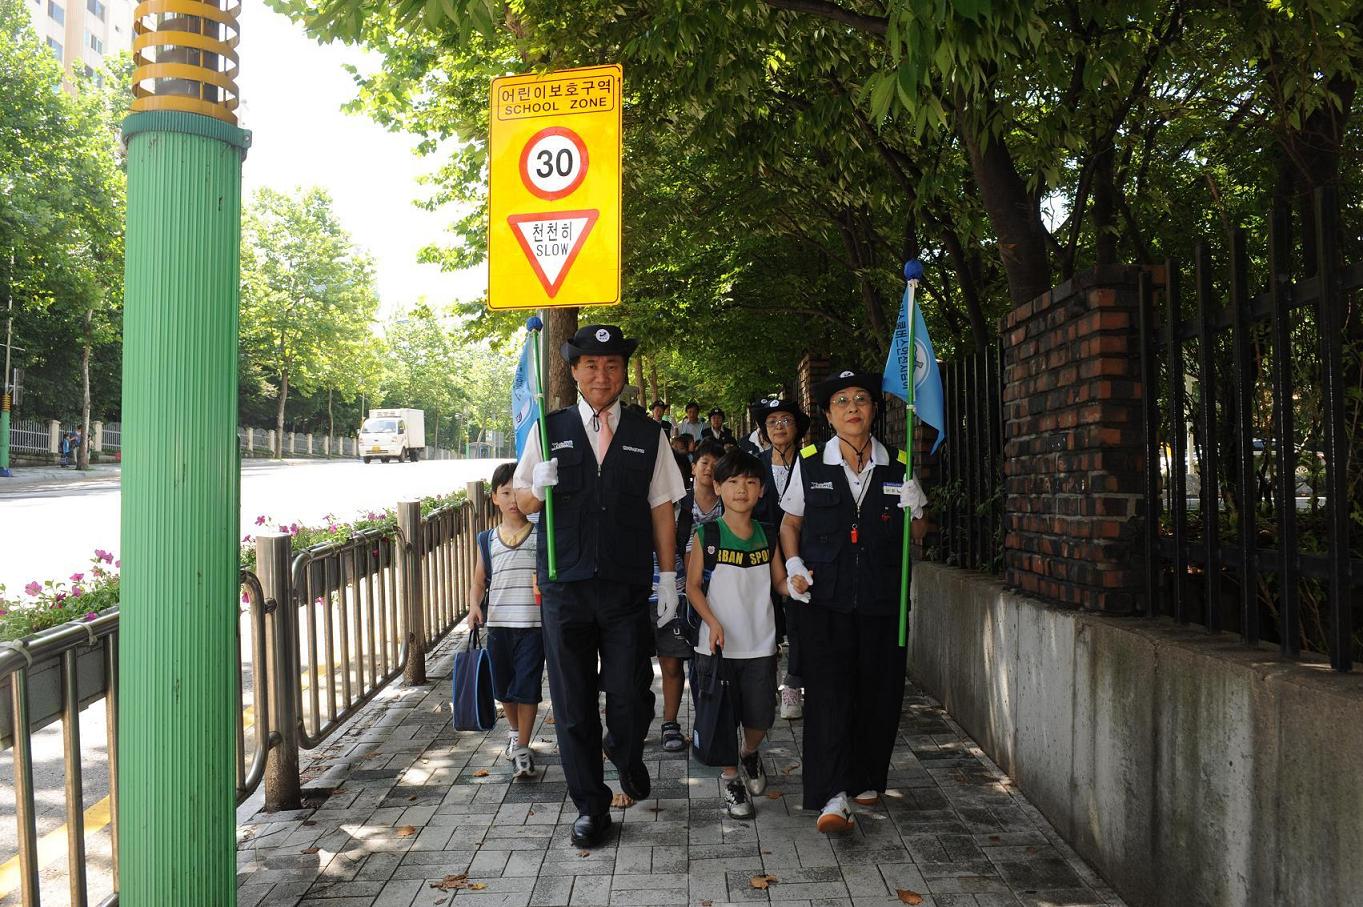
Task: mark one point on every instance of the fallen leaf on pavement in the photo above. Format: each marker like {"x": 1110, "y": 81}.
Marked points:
{"x": 775, "y": 794}
{"x": 411, "y": 799}
{"x": 763, "y": 882}
{"x": 309, "y": 822}
{"x": 452, "y": 882}
{"x": 310, "y": 850}
{"x": 909, "y": 897}
{"x": 707, "y": 904}
{"x": 481, "y": 773}
{"x": 478, "y": 886}
{"x": 790, "y": 768}
{"x": 406, "y": 831}
{"x": 584, "y": 853}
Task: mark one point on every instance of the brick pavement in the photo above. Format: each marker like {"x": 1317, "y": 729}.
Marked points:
{"x": 398, "y": 802}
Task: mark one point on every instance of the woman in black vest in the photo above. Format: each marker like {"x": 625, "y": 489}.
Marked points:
{"x": 842, "y": 538}
{"x": 781, "y": 424}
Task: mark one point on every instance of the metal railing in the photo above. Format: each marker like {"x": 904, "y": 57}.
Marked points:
{"x": 304, "y": 668}
{"x": 351, "y": 628}
{"x": 29, "y": 436}
{"x": 1254, "y": 390}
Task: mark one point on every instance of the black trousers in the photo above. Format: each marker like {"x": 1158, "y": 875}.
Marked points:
{"x": 853, "y": 671}
{"x": 585, "y": 622}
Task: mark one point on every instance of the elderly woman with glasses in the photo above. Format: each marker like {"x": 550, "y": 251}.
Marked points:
{"x": 842, "y": 539}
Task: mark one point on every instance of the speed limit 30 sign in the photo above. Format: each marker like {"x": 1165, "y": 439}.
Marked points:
{"x": 554, "y": 193}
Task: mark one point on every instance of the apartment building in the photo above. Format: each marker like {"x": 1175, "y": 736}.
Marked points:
{"x": 81, "y": 32}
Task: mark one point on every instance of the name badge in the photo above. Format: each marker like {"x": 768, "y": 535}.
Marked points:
{"x": 892, "y": 488}
{"x": 637, "y": 450}
{"x": 559, "y": 445}
{"x": 820, "y": 486}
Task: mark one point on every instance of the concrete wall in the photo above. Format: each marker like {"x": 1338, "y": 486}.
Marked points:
{"x": 1189, "y": 769}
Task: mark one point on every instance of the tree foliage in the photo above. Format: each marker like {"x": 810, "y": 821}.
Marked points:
{"x": 61, "y": 221}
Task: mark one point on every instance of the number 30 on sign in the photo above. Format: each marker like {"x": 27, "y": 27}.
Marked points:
{"x": 554, "y": 194}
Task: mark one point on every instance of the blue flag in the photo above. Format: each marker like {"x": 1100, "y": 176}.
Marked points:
{"x": 525, "y": 410}
{"x": 927, "y": 381}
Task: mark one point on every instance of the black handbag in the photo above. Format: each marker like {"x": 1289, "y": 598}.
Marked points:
{"x": 714, "y": 732}
{"x": 472, "y": 703}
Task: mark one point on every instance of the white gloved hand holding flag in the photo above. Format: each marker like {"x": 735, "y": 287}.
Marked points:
{"x": 912, "y": 498}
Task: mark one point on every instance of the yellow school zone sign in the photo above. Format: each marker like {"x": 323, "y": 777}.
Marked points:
{"x": 554, "y": 189}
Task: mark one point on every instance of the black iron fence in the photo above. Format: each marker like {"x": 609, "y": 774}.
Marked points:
{"x": 1252, "y": 462}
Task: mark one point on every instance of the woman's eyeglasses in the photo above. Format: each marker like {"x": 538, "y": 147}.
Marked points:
{"x": 842, "y": 401}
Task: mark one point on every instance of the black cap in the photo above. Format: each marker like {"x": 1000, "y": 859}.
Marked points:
{"x": 763, "y": 408}
{"x": 841, "y": 380}
{"x": 657, "y": 403}
{"x": 598, "y": 340}
{"x": 717, "y": 412}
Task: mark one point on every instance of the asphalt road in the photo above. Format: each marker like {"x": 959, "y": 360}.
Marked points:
{"x": 51, "y": 523}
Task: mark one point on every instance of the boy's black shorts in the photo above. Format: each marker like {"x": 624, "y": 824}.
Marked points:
{"x": 517, "y": 655}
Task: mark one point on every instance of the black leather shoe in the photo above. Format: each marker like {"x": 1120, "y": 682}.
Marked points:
{"x": 634, "y": 779}
{"x": 589, "y": 831}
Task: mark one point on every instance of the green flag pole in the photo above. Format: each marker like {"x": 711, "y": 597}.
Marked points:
{"x": 906, "y": 562}
{"x": 552, "y": 552}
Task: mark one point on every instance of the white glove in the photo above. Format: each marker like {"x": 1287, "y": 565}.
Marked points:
{"x": 544, "y": 476}
{"x": 796, "y": 567}
{"x": 912, "y": 498}
{"x": 667, "y": 597}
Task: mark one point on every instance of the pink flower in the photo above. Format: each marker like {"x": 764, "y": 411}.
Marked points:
{"x": 33, "y": 588}
{"x": 102, "y": 555}
{"x": 283, "y": 528}
{"x": 293, "y": 529}
{"x": 76, "y": 591}
{"x": 260, "y": 520}
{"x": 90, "y": 615}
{"x": 77, "y": 577}
{"x": 118, "y": 564}
{"x": 61, "y": 596}
{"x": 245, "y": 598}
{"x": 3, "y": 612}
{"x": 319, "y": 600}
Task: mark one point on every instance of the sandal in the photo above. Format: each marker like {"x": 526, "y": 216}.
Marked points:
{"x": 674, "y": 741}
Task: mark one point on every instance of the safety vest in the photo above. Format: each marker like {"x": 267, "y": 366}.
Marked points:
{"x": 603, "y": 525}
{"x": 855, "y": 555}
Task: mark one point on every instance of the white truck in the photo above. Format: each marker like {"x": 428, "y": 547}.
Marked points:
{"x": 393, "y": 434}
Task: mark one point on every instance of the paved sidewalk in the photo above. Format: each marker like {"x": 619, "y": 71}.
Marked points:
{"x": 405, "y": 812}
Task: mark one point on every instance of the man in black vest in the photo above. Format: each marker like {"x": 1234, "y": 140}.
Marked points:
{"x": 842, "y": 534}
{"x": 614, "y": 481}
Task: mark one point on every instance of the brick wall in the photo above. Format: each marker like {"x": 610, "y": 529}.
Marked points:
{"x": 1073, "y": 443}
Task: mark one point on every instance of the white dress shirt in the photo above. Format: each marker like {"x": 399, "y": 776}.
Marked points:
{"x": 793, "y": 501}
{"x": 666, "y": 485}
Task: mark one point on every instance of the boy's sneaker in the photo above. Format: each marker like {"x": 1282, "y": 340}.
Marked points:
{"x": 792, "y": 704}
{"x": 836, "y": 817}
{"x": 868, "y": 797}
{"x": 736, "y": 801}
{"x": 513, "y": 741}
{"x": 756, "y": 772}
{"x": 524, "y": 762}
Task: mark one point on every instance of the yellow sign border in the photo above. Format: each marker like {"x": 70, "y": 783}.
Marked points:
{"x": 568, "y": 203}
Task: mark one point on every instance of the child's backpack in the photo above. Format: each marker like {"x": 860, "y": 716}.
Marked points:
{"x": 485, "y": 549}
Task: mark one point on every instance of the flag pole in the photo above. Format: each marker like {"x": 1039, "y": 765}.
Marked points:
{"x": 551, "y": 548}
{"x": 910, "y": 360}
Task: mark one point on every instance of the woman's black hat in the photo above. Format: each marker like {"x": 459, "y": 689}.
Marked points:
{"x": 763, "y": 408}
{"x": 598, "y": 340}
{"x": 716, "y": 412}
{"x": 841, "y": 380}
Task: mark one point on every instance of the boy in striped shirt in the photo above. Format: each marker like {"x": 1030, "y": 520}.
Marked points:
{"x": 515, "y": 642}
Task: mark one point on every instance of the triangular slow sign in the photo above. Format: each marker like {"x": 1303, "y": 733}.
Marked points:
{"x": 551, "y": 242}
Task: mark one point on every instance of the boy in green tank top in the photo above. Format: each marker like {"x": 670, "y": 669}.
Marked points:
{"x": 731, "y": 571}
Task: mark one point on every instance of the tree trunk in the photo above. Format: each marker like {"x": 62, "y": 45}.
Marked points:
{"x": 639, "y": 379}
{"x": 279, "y": 416}
{"x": 653, "y": 378}
{"x": 331, "y": 420}
{"x": 1104, "y": 206}
{"x": 83, "y": 461}
{"x": 561, "y": 390}
{"x": 1014, "y": 213}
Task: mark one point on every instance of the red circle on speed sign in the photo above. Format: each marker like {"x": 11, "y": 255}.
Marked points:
{"x": 554, "y": 162}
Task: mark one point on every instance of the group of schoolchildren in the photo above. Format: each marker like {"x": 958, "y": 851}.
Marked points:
{"x": 726, "y": 566}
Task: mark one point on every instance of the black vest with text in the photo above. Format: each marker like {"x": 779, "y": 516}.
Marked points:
{"x": 853, "y": 571}
{"x": 603, "y": 525}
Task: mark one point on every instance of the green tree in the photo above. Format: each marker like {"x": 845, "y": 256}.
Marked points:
{"x": 61, "y": 224}
{"x": 308, "y": 295}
